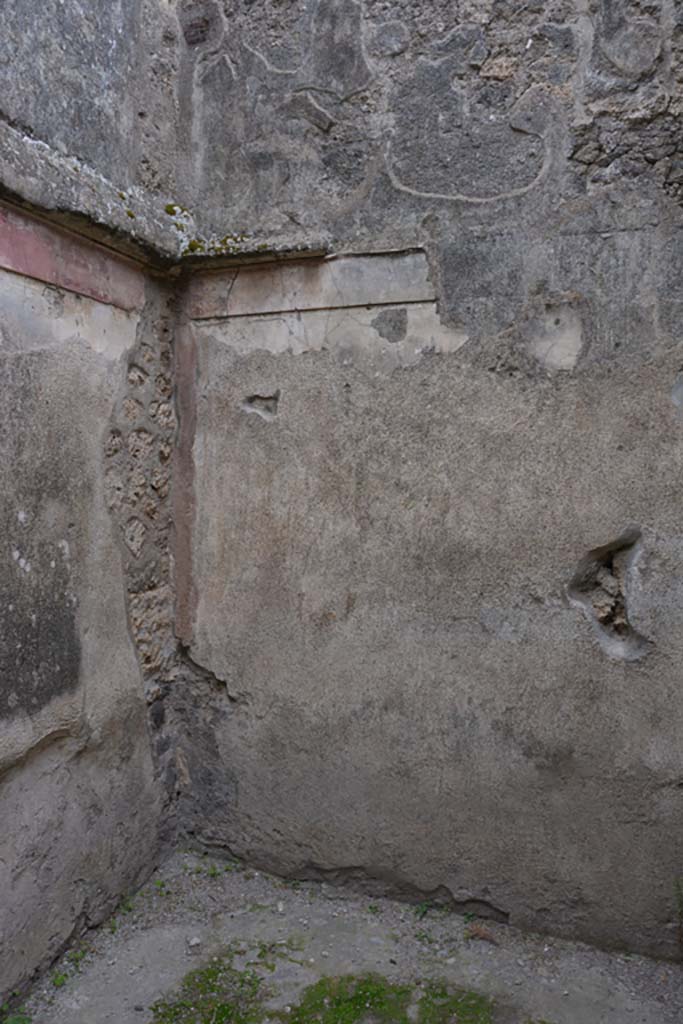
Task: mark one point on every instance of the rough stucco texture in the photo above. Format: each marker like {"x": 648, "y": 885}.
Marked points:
{"x": 94, "y": 82}
{"x": 442, "y": 586}
{"x": 439, "y": 678}
{"x": 77, "y": 797}
{"x": 398, "y": 122}
{"x": 88, "y": 112}
{"x": 428, "y": 553}
{"x": 381, "y": 122}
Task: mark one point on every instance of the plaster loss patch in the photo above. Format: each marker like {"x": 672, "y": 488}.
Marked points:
{"x": 600, "y": 588}
{"x": 556, "y": 337}
{"x": 264, "y": 406}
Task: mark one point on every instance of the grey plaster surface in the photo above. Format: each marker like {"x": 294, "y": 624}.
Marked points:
{"x": 343, "y": 122}
{"x": 88, "y": 113}
{"x": 77, "y": 797}
{"x": 423, "y": 684}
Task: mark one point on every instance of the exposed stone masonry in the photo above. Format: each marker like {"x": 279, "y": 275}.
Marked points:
{"x": 184, "y": 699}
{"x": 139, "y": 454}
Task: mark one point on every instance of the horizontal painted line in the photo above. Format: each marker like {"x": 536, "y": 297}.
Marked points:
{"x": 339, "y": 283}
{"x": 379, "y": 338}
{"x": 34, "y": 323}
{"x": 311, "y": 309}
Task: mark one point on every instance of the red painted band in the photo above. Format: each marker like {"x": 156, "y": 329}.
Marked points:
{"x": 35, "y": 249}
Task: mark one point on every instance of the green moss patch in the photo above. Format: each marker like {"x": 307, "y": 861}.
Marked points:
{"x": 352, "y": 999}
{"x": 441, "y": 1005}
{"x": 216, "y": 994}
{"x": 221, "y": 994}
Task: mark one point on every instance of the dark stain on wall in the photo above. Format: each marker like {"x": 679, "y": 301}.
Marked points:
{"x": 40, "y": 649}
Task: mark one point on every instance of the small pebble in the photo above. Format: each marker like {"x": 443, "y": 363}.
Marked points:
{"x": 195, "y": 942}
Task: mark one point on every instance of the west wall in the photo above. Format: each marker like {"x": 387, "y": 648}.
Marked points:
{"x": 80, "y": 804}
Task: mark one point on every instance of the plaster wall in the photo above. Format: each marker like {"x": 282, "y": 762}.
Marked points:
{"x": 420, "y": 625}
{"x": 400, "y": 543}
{"x": 401, "y": 537}
{"x": 79, "y": 803}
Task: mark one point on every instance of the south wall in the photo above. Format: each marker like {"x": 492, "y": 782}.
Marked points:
{"x": 439, "y": 581}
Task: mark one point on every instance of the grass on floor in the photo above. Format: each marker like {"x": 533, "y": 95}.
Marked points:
{"x": 220, "y": 994}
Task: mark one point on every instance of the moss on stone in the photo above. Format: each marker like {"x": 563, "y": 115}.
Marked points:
{"x": 175, "y": 209}
{"x": 219, "y": 993}
{"x": 350, "y": 999}
{"x": 194, "y": 246}
{"x": 441, "y": 1004}
{"x": 215, "y": 994}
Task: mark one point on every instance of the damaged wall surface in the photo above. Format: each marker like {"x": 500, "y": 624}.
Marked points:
{"x": 79, "y": 803}
{"x": 386, "y": 539}
{"x": 437, "y": 683}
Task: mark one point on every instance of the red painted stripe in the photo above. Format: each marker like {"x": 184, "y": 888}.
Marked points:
{"x": 35, "y": 249}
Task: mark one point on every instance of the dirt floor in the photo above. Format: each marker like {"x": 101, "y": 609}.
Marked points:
{"x": 210, "y": 942}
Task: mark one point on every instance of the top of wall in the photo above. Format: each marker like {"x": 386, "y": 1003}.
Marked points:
{"x": 87, "y": 116}
{"x": 209, "y": 129}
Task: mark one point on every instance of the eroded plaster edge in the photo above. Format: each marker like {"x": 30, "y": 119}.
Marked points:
{"x": 185, "y": 366}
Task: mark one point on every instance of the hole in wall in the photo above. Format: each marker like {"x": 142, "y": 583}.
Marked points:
{"x": 600, "y": 588}
{"x": 265, "y": 406}
{"x": 200, "y": 21}
{"x": 197, "y": 31}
